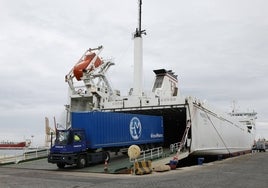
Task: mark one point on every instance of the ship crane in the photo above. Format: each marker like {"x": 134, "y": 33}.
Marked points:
{"x": 91, "y": 69}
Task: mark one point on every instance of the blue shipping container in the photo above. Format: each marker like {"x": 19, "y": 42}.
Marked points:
{"x": 109, "y": 129}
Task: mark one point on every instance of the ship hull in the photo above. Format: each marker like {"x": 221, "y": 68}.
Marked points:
{"x": 8, "y": 145}
{"x": 215, "y": 133}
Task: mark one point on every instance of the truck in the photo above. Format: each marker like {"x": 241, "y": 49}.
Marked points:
{"x": 260, "y": 146}
{"x": 94, "y": 134}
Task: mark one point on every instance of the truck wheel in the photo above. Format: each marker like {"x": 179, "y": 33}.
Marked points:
{"x": 60, "y": 165}
{"x": 81, "y": 163}
{"x": 106, "y": 156}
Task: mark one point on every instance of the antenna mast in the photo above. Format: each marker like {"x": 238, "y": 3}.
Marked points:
{"x": 138, "y": 62}
{"x": 139, "y": 32}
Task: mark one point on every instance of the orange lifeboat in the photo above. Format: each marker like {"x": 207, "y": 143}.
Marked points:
{"x": 84, "y": 64}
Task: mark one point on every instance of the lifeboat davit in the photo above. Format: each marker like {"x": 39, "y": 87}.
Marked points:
{"x": 84, "y": 65}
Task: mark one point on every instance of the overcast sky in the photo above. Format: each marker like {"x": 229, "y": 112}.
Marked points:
{"x": 218, "y": 48}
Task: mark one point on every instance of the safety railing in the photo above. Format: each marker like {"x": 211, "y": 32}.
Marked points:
{"x": 28, "y": 155}
{"x": 149, "y": 154}
{"x": 174, "y": 147}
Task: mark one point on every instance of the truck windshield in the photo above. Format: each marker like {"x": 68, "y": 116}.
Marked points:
{"x": 62, "y": 137}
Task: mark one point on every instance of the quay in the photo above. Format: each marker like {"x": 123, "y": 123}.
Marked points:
{"x": 248, "y": 170}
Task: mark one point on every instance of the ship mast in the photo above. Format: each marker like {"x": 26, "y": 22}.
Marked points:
{"x": 138, "y": 57}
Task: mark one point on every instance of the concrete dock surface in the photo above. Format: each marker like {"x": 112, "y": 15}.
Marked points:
{"x": 244, "y": 171}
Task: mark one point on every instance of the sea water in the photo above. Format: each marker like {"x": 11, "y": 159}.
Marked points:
{"x": 10, "y": 152}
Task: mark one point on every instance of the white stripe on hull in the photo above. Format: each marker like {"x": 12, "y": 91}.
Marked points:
{"x": 219, "y": 151}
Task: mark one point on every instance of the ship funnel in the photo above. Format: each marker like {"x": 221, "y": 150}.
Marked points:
{"x": 138, "y": 57}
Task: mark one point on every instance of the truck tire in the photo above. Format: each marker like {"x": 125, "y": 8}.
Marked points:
{"x": 106, "y": 156}
{"x": 81, "y": 162}
{"x": 60, "y": 165}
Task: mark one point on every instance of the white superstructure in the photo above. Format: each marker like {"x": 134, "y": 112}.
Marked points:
{"x": 189, "y": 124}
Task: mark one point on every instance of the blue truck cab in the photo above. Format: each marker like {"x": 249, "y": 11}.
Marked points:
{"x": 71, "y": 148}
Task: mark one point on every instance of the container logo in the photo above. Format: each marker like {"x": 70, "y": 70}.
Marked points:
{"x": 135, "y": 128}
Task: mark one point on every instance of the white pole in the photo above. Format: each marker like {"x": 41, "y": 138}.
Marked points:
{"x": 138, "y": 66}
{"x": 138, "y": 63}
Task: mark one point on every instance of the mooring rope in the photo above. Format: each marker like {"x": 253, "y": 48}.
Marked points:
{"x": 218, "y": 134}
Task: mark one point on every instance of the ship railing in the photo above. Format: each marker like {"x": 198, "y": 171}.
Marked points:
{"x": 153, "y": 153}
{"x": 174, "y": 147}
{"x": 27, "y": 155}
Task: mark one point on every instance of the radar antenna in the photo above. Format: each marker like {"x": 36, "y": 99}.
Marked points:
{"x": 139, "y": 32}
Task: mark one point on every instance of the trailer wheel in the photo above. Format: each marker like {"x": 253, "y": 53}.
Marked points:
{"x": 106, "y": 156}
{"x": 81, "y": 162}
{"x": 60, "y": 165}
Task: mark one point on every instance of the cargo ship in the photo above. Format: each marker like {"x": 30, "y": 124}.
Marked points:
{"x": 191, "y": 126}
{"x": 14, "y": 145}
